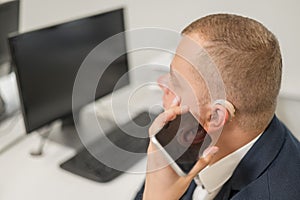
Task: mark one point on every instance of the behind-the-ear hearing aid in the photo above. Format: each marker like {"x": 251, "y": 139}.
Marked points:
{"x": 227, "y": 105}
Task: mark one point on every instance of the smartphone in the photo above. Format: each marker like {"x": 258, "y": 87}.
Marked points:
{"x": 182, "y": 141}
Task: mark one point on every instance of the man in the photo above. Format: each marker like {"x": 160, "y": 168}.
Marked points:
{"x": 255, "y": 156}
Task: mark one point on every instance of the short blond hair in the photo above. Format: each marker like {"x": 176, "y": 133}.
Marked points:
{"x": 248, "y": 57}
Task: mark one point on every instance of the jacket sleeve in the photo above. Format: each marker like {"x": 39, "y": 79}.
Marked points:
{"x": 139, "y": 195}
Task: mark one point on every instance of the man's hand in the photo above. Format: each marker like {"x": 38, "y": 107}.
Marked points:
{"x": 162, "y": 182}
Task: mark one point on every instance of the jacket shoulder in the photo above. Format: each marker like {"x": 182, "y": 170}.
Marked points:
{"x": 281, "y": 178}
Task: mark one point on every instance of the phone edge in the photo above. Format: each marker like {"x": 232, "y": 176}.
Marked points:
{"x": 173, "y": 164}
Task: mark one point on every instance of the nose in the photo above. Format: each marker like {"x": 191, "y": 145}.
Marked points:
{"x": 168, "y": 95}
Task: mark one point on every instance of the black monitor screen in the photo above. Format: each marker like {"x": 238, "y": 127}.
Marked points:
{"x": 9, "y": 23}
{"x": 47, "y": 60}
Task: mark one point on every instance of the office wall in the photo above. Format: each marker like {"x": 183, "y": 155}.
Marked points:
{"x": 288, "y": 111}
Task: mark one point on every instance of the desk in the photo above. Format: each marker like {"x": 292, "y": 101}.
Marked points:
{"x": 26, "y": 177}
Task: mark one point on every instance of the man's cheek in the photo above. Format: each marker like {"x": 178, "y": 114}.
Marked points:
{"x": 189, "y": 98}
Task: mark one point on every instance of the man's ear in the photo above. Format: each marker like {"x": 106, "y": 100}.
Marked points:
{"x": 219, "y": 116}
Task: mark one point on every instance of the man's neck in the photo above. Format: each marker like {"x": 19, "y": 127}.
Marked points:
{"x": 231, "y": 139}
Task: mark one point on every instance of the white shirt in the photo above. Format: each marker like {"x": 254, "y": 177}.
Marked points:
{"x": 211, "y": 179}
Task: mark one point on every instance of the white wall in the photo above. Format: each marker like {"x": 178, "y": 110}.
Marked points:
{"x": 288, "y": 110}
{"x": 281, "y": 17}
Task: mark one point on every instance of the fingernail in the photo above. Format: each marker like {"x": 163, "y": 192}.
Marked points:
{"x": 184, "y": 108}
{"x": 175, "y": 101}
{"x": 210, "y": 151}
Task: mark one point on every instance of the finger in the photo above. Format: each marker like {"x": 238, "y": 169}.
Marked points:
{"x": 203, "y": 161}
{"x": 179, "y": 110}
{"x": 166, "y": 117}
{"x": 176, "y": 101}
{"x": 172, "y": 113}
{"x": 161, "y": 120}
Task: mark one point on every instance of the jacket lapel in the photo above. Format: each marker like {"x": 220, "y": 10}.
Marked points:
{"x": 256, "y": 161}
{"x": 188, "y": 195}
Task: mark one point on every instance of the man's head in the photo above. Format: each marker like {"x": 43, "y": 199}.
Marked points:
{"x": 248, "y": 58}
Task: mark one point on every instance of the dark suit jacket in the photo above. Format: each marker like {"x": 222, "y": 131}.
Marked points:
{"x": 269, "y": 170}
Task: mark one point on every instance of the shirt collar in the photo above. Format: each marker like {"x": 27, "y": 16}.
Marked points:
{"x": 213, "y": 177}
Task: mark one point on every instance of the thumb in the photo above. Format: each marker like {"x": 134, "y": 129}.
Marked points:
{"x": 203, "y": 161}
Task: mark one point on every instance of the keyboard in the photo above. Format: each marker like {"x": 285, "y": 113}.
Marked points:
{"x": 88, "y": 165}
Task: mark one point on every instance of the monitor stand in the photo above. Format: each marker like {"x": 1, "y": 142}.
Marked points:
{"x": 2, "y": 108}
{"x": 101, "y": 162}
{"x": 85, "y": 164}
{"x": 5, "y": 68}
{"x": 64, "y": 132}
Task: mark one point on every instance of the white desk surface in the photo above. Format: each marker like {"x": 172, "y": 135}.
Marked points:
{"x": 27, "y": 177}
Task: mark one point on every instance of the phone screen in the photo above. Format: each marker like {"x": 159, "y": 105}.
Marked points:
{"x": 184, "y": 139}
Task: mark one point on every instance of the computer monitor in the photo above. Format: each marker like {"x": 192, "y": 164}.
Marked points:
{"x": 9, "y": 23}
{"x": 47, "y": 60}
